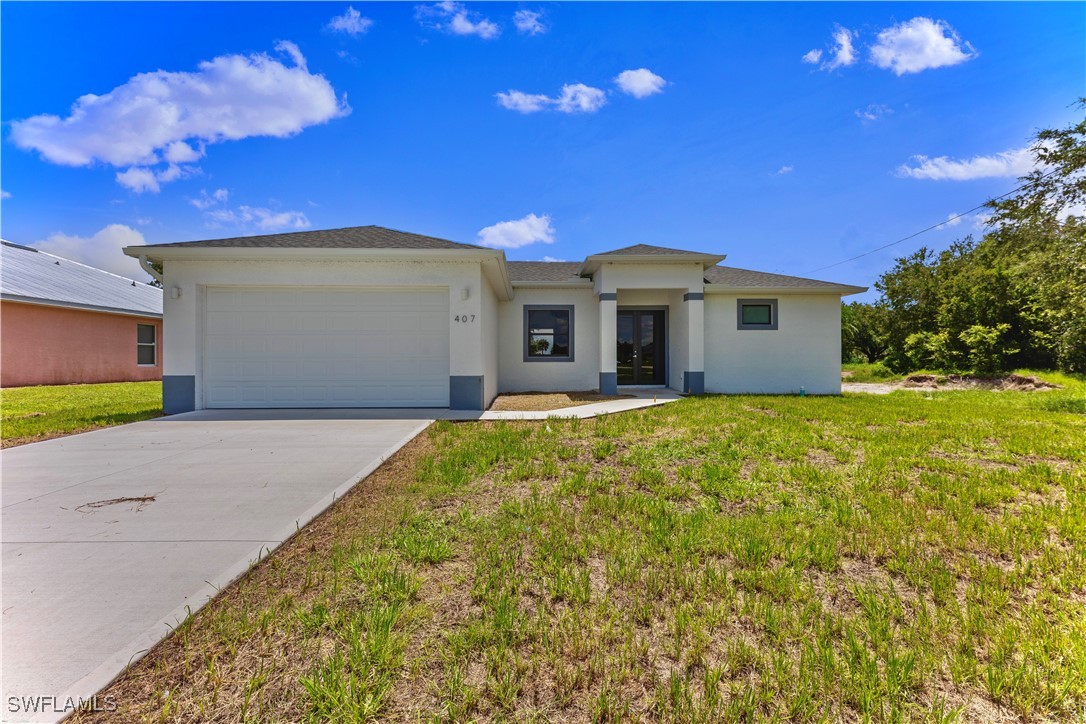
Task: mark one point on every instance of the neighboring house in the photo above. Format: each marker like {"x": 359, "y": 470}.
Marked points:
{"x": 371, "y": 317}
{"x": 62, "y": 322}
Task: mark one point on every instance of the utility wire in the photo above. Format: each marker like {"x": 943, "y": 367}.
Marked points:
{"x": 933, "y": 226}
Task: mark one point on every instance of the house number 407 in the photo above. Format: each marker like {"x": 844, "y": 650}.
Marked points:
{"x": 464, "y": 318}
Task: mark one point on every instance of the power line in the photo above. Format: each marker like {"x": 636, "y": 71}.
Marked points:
{"x": 933, "y": 226}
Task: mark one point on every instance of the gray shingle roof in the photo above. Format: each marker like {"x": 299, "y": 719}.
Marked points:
{"x": 31, "y": 275}
{"x": 352, "y": 237}
{"x": 648, "y": 250}
{"x": 543, "y": 271}
{"x": 745, "y": 278}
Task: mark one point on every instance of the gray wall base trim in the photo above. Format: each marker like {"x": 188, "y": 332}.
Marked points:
{"x": 466, "y": 392}
{"x": 178, "y": 393}
{"x": 693, "y": 297}
{"x": 608, "y": 383}
{"x": 608, "y": 297}
{"x": 694, "y": 383}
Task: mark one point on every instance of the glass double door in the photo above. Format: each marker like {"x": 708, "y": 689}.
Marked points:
{"x": 641, "y": 347}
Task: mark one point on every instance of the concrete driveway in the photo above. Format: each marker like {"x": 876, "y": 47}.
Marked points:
{"x": 110, "y": 536}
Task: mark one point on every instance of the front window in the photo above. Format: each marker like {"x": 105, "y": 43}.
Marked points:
{"x": 757, "y": 314}
{"x": 548, "y": 333}
{"x": 145, "y": 344}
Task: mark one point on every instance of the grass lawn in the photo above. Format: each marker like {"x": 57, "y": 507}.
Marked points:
{"x": 28, "y": 414}
{"x": 907, "y": 556}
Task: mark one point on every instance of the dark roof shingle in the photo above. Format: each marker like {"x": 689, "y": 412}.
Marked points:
{"x": 352, "y": 237}
{"x": 647, "y": 250}
{"x": 544, "y": 271}
{"x": 744, "y": 278}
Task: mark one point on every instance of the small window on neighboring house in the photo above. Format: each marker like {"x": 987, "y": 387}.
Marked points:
{"x": 757, "y": 314}
{"x": 145, "y": 344}
{"x": 548, "y": 333}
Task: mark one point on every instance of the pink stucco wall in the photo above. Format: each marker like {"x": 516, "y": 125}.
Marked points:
{"x": 42, "y": 345}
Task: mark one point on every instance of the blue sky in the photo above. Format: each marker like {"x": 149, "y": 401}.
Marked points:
{"x": 727, "y": 135}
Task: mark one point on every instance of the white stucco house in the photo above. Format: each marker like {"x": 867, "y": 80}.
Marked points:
{"x": 371, "y": 317}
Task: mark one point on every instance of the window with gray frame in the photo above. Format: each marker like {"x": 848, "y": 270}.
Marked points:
{"x": 146, "y": 344}
{"x": 548, "y": 333}
{"x": 756, "y": 314}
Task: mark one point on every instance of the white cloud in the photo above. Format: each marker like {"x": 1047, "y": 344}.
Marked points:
{"x": 873, "y": 112}
{"x": 640, "y": 83}
{"x": 528, "y": 22}
{"x": 574, "y": 98}
{"x": 154, "y": 118}
{"x": 452, "y": 17}
{"x": 551, "y": 259}
{"x": 350, "y": 22}
{"x": 951, "y": 220}
{"x": 140, "y": 179}
{"x": 531, "y": 229}
{"x": 102, "y": 250}
{"x": 206, "y": 201}
{"x": 919, "y": 44}
{"x": 785, "y": 169}
{"x": 4, "y": 194}
{"x": 1018, "y": 162}
{"x": 259, "y": 218}
{"x": 580, "y": 98}
{"x": 841, "y": 54}
{"x": 514, "y": 100}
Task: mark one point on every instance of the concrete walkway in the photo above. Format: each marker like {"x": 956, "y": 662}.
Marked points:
{"x": 109, "y": 537}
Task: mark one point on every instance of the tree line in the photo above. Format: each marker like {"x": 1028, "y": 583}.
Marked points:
{"x": 1014, "y": 298}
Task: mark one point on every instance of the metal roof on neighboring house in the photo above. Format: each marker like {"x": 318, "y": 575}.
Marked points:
{"x": 352, "y": 237}
{"x": 29, "y": 275}
{"x": 544, "y": 271}
{"x": 745, "y": 278}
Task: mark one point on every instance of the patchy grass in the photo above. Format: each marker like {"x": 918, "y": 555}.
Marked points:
{"x": 29, "y": 414}
{"x": 910, "y": 556}
{"x": 542, "y": 401}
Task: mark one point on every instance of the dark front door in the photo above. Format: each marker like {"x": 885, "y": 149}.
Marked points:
{"x": 641, "y": 347}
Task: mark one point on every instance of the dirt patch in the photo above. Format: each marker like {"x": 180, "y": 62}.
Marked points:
{"x": 544, "y": 401}
{"x": 928, "y": 383}
{"x": 973, "y": 382}
{"x": 138, "y": 503}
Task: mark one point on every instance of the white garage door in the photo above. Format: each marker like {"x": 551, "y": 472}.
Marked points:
{"x": 344, "y": 347}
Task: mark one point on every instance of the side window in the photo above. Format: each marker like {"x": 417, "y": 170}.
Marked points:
{"x": 548, "y": 333}
{"x": 146, "y": 345}
{"x": 756, "y": 314}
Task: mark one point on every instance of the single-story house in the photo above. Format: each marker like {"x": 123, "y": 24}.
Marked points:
{"x": 372, "y": 317}
{"x": 62, "y": 322}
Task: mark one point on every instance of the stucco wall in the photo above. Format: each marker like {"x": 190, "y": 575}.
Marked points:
{"x": 490, "y": 344}
{"x": 516, "y": 375}
{"x": 804, "y": 351}
{"x": 42, "y": 345}
{"x": 183, "y": 317}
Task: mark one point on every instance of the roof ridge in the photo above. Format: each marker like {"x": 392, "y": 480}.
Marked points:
{"x": 88, "y": 266}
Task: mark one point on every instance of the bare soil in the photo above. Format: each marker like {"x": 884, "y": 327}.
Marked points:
{"x": 544, "y": 401}
{"x": 920, "y": 383}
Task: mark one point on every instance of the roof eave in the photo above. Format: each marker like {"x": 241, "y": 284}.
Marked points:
{"x": 579, "y": 284}
{"x": 77, "y": 305}
{"x": 593, "y": 262}
{"x": 842, "y": 290}
{"x": 165, "y": 253}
